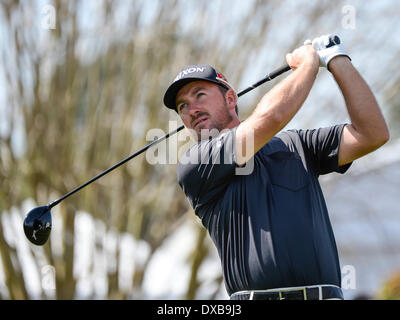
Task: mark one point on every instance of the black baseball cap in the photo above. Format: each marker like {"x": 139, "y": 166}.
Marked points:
{"x": 193, "y": 73}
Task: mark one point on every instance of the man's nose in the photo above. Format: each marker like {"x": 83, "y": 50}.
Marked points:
{"x": 194, "y": 109}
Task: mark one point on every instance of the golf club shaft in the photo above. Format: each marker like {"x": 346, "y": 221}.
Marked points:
{"x": 54, "y": 203}
{"x": 269, "y": 77}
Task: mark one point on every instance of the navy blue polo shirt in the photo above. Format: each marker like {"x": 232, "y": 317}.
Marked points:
{"x": 271, "y": 227}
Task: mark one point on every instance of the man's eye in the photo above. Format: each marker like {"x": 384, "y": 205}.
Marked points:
{"x": 182, "y": 106}
{"x": 200, "y": 94}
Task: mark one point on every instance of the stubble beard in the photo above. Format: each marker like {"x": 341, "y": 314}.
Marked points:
{"x": 217, "y": 124}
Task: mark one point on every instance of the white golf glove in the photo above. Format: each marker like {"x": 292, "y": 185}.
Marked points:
{"x": 328, "y": 46}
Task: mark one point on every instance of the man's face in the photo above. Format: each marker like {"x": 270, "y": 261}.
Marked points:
{"x": 201, "y": 105}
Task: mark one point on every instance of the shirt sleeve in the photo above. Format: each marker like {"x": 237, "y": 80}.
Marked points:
{"x": 321, "y": 148}
{"x": 207, "y": 168}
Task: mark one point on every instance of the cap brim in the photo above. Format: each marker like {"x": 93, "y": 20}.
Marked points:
{"x": 172, "y": 91}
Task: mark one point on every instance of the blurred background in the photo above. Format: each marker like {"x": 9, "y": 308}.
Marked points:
{"x": 81, "y": 85}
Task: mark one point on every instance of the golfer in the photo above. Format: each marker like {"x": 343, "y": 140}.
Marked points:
{"x": 271, "y": 226}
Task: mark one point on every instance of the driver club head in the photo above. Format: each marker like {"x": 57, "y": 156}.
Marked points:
{"x": 37, "y": 225}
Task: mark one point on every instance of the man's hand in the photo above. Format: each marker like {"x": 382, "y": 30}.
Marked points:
{"x": 303, "y": 56}
{"x": 328, "y": 47}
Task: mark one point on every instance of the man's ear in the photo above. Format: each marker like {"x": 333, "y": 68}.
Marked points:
{"x": 231, "y": 99}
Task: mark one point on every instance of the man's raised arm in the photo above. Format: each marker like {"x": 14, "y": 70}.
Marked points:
{"x": 368, "y": 130}
{"x": 279, "y": 105}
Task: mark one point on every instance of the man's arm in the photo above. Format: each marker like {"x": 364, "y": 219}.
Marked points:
{"x": 368, "y": 130}
{"x": 279, "y": 105}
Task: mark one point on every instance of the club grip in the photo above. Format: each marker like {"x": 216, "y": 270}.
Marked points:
{"x": 278, "y": 71}
{"x": 333, "y": 40}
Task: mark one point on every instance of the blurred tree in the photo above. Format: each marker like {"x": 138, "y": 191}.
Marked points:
{"x": 391, "y": 288}
{"x": 86, "y": 93}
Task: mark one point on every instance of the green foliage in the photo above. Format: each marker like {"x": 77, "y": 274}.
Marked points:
{"x": 391, "y": 288}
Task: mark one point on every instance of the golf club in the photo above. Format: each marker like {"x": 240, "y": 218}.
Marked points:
{"x": 37, "y": 223}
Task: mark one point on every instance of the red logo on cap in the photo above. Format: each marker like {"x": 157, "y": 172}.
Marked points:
{"x": 222, "y": 79}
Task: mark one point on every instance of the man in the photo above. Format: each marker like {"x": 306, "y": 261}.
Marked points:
{"x": 271, "y": 226}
